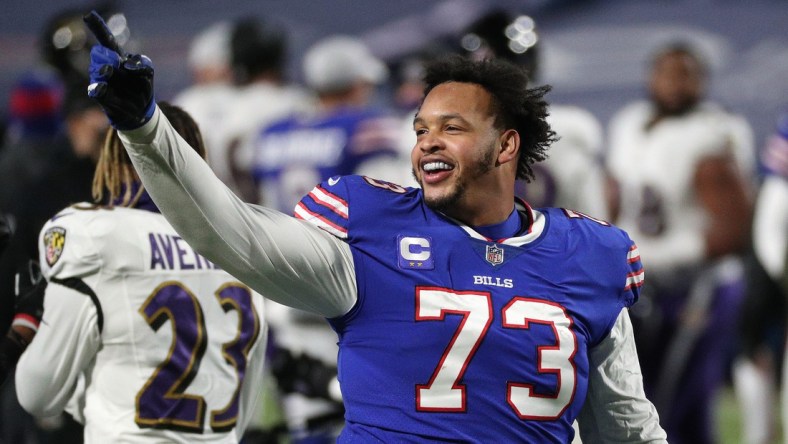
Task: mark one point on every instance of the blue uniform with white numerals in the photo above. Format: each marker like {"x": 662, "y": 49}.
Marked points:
{"x": 457, "y": 337}
{"x": 295, "y": 153}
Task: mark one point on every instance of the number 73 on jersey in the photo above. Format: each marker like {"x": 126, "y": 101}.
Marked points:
{"x": 444, "y": 393}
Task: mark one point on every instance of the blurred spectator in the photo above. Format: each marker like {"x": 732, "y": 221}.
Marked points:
{"x": 343, "y": 135}
{"x": 28, "y": 310}
{"x": 35, "y": 118}
{"x": 54, "y": 135}
{"x": 684, "y": 170}
{"x": 65, "y": 41}
{"x": 258, "y": 51}
{"x": 65, "y": 46}
{"x": 212, "y": 94}
{"x": 34, "y": 107}
{"x": 770, "y": 230}
{"x": 62, "y": 167}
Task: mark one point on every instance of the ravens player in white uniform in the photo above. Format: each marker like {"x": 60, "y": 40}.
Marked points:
{"x": 142, "y": 339}
{"x": 684, "y": 168}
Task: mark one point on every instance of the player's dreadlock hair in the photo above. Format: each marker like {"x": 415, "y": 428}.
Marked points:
{"x": 115, "y": 178}
{"x": 514, "y": 105}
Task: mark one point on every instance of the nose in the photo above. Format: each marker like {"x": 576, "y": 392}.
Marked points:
{"x": 429, "y": 143}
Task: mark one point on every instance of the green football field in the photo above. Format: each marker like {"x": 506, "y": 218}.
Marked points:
{"x": 729, "y": 419}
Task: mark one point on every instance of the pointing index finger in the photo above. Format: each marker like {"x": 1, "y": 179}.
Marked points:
{"x": 100, "y": 29}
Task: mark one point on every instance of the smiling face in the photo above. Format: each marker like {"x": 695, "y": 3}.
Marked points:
{"x": 464, "y": 165}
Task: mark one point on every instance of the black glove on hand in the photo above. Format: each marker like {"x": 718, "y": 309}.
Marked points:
{"x": 302, "y": 374}
{"x": 122, "y": 84}
{"x": 30, "y": 288}
{"x": 5, "y": 232}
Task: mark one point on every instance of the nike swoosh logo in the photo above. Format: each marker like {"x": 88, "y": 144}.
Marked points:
{"x": 333, "y": 181}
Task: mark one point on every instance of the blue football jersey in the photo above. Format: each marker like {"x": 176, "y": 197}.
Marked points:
{"x": 456, "y": 337}
{"x": 294, "y": 154}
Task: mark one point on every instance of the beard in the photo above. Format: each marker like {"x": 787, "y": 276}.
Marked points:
{"x": 674, "y": 108}
{"x": 450, "y": 199}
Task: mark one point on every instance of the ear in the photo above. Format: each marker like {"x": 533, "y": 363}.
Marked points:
{"x": 508, "y": 146}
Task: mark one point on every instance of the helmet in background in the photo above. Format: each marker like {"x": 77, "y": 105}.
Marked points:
{"x": 503, "y": 35}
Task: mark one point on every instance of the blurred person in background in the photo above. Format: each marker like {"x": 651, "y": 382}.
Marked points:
{"x": 28, "y": 308}
{"x": 37, "y": 177}
{"x": 770, "y": 228}
{"x": 40, "y": 175}
{"x": 258, "y": 55}
{"x": 35, "y": 121}
{"x": 142, "y": 338}
{"x": 573, "y": 176}
{"x": 27, "y": 302}
{"x": 212, "y": 93}
{"x": 684, "y": 170}
{"x": 33, "y": 109}
{"x": 345, "y": 134}
{"x": 54, "y": 133}
{"x": 54, "y": 139}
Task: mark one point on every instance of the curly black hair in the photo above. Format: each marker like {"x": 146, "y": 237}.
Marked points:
{"x": 513, "y": 103}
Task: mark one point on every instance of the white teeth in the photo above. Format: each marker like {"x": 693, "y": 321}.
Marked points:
{"x": 434, "y": 166}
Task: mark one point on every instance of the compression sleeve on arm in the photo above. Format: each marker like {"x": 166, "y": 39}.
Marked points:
{"x": 282, "y": 258}
{"x": 63, "y": 348}
{"x": 616, "y": 408}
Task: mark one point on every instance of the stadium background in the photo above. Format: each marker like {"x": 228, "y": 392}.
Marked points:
{"x": 594, "y": 51}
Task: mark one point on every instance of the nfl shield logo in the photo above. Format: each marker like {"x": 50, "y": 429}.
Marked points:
{"x": 494, "y": 255}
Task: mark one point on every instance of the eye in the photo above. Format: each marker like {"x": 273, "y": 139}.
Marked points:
{"x": 420, "y": 131}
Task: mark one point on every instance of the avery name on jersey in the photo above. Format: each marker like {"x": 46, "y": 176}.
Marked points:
{"x": 493, "y": 281}
{"x": 168, "y": 252}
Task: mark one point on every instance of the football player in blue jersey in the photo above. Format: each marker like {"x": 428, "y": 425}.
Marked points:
{"x": 344, "y": 133}
{"x": 462, "y": 314}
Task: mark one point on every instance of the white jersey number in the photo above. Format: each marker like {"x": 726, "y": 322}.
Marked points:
{"x": 162, "y": 402}
{"x": 444, "y": 393}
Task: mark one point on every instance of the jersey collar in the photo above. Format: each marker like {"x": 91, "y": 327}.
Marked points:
{"x": 533, "y": 226}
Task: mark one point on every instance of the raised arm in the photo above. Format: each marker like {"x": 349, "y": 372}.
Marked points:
{"x": 282, "y": 258}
